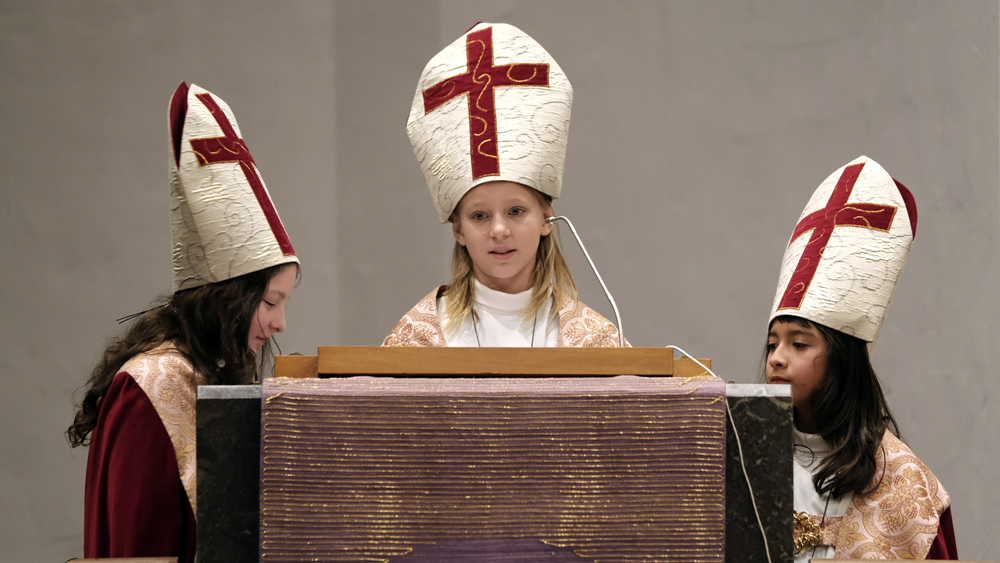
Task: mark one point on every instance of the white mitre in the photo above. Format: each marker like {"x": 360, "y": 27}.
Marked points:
{"x": 847, "y": 251}
{"x": 493, "y": 105}
{"x": 224, "y": 224}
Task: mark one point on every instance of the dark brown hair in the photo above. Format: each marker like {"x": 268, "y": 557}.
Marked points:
{"x": 850, "y": 412}
{"x": 210, "y": 326}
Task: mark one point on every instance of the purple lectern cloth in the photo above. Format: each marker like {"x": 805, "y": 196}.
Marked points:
{"x": 608, "y": 469}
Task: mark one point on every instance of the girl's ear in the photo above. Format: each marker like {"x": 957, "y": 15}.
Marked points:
{"x": 456, "y": 229}
{"x": 546, "y": 227}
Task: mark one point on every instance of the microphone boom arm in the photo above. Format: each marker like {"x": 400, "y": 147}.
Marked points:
{"x": 618, "y": 317}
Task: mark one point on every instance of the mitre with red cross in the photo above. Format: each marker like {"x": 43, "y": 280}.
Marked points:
{"x": 493, "y": 105}
{"x": 847, "y": 251}
{"x": 224, "y": 224}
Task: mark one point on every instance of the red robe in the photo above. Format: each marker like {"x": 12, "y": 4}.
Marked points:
{"x": 135, "y": 502}
{"x": 944, "y": 546}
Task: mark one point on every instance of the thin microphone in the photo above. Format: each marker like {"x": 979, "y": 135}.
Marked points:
{"x": 618, "y": 317}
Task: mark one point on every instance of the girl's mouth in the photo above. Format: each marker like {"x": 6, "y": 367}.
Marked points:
{"x": 502, "y": 253}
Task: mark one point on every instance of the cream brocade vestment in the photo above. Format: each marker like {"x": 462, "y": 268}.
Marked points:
{"x": 171, "y": 384}
{"x": 898, "y": 519}
{"x": 579, "y": 326}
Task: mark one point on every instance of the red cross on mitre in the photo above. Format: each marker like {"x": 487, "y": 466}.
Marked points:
{"x": 837, "y": 213}
{"x": 231, "y": 148}
{"x": 479, "y": 82}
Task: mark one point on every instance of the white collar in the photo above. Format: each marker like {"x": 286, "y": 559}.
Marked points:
{"x": 818, "y": 448}
{"x": 500, "y": 303}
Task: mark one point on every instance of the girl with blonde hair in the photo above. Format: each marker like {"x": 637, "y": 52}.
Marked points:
{"x": 489, "y": 125}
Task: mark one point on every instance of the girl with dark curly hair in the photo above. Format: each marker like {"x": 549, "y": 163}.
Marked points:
{"x": 234, "y": 271}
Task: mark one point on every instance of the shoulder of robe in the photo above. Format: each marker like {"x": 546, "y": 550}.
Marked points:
{"x": 421, "y": 325}
{"x": 582, "y": 327}
{"x": 170, "y": 382}
{"x": 898, "y": 517}
{"x": 901, "y": 464}
{"x": 164, "y": 374}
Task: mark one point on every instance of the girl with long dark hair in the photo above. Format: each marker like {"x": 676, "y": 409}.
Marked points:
{"x": 234, "y": 271}
{"x": 860, "y": 492}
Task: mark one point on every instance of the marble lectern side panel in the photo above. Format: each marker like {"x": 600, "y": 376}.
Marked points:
{"x": 763, "y": 418}
{"x": 228, "y": 442}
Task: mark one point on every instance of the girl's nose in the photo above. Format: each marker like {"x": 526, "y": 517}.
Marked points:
{"x": 278, "y": 323}
{"x": 776, "y": 358}
{"x": 499, "y": 228}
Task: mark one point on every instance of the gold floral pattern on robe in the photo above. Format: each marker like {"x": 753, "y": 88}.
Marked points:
{"x": 419, "y": 327}
{"x": 171, "y": 385}
{"x": 582, "y": 327}
{"x": 579, "y": 326}
{"x": 898, "y": 519}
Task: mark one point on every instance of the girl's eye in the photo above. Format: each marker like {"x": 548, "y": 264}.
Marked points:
{"x": 771, "y": 346}
{"x": 800, "y": 345}
{"x": 269, "y": 304}
{"x": 516, "y": 211}
{"x": 478, "y": 216}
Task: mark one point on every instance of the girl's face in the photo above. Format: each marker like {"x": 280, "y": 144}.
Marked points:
{"x": 270, "y": 316}
{"x": 797, "y": 356}
{"x": 501, "y": 224}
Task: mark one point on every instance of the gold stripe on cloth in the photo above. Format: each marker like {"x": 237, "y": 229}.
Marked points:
{"x": 612, "y": 469}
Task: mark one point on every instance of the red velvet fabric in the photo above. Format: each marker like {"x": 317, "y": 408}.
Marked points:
{"x": 822, "y": 222}
{"x": 135, "y": 504}
{"x": 479, "y": 82}
{"x": 231, "y": 148}
{"x": 178, "y": 111}
{"x": 911, "y": 206}
{"x": 944, "y": 546}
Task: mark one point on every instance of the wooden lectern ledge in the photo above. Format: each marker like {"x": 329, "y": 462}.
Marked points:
{"x": 340, "y": 361}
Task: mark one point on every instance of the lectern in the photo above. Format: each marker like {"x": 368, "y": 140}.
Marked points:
{"x": 449, "y": 454}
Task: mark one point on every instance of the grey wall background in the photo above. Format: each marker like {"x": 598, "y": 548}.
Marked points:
{"x": 700, "y": 129}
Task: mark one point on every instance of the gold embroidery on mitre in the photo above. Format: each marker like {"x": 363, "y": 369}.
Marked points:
{"x": 534, "y": 73}
{"x": 486, "y": 126}
{"x": 479, "y": 149}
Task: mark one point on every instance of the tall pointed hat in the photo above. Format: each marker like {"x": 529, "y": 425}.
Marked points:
{"x": 847, "y": 251}
{"x": 493, "y": 105}
{"x": 224, "y": 224}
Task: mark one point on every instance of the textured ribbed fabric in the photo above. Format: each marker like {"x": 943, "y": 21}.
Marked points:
{"x": 611, "y": 469}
